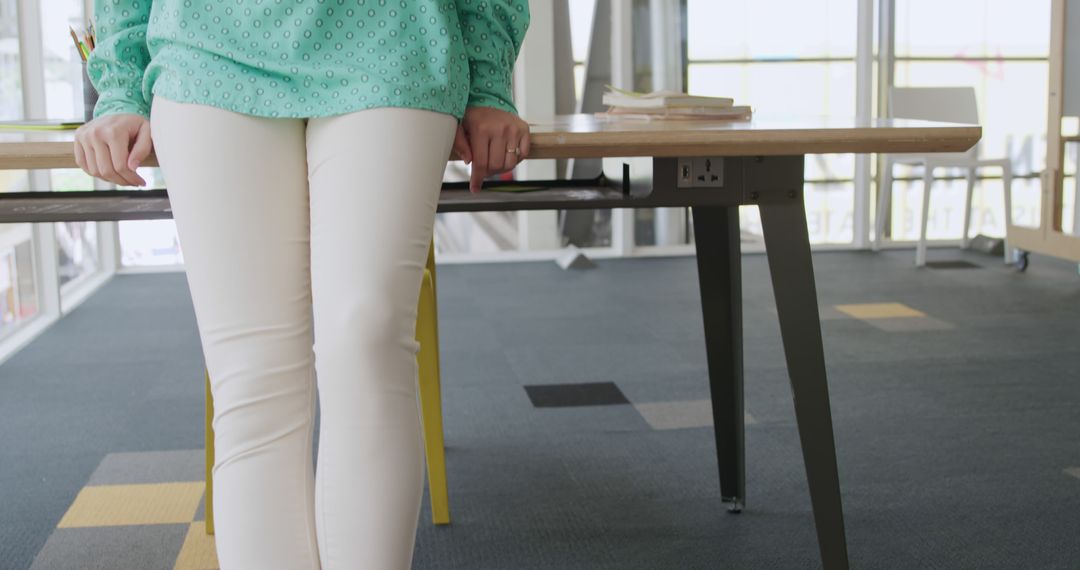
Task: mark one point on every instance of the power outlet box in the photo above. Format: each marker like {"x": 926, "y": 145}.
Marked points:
{"x": 700, "y": 172}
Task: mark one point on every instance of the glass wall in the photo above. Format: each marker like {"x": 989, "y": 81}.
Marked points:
{"x": 784, "y": 59}
{"x": 1000, "y": 48}
{"x": 10, "y": 68}
{"x": 18, "y": 286}
{"x": 76, "y": 242}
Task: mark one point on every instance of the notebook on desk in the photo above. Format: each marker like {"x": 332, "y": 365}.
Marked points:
{"x": 42, "y": 124}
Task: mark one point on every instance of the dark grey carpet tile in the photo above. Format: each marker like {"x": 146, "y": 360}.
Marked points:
{"x": 575, "y": 394}
{"x": 952, "y": 264}
{"x": 503, "y": 410}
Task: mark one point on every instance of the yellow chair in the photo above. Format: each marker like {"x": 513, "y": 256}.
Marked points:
{"x": 427, "y": 334}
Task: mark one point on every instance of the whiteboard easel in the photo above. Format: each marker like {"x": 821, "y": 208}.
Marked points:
{"x": 1064, "y": 101}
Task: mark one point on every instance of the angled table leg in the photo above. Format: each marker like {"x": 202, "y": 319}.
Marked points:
{"x": 716, "y": 235}
{"x": 783, "y": 220}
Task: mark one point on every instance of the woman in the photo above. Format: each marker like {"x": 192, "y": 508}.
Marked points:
{"x": 303, "y": 144}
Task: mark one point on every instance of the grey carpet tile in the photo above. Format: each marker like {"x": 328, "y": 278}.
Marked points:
{"x": 545, "y": 364}
{"x": 910, "y": 324}
{"x": 137, "y": 467}
{"x": 466, "y": 364}
{"x": 681, "y": 414}
{"x": 134, "y": 547}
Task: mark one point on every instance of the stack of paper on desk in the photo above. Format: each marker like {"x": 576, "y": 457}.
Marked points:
{"x": 667, "y": 104}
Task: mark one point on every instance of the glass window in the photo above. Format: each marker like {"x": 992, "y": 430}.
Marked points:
{"x": 9, "y": 308}
{"x": 149, "y": 242}
{"x": 1000, "y": 48}
{"x": 76, "y": 241}
{"x": 1011, "y": 96}
{"x": 25, "y": 280}
{"x": 972, "y": 28}
{"x": 581, "y": 22}
{"x": 77, "y": 249}
{"x": 18, "y": 285}
{"x": 822, "y": 88}
{"x": 18, "y": 291}
{"x": 801, "y": 64}
{"x": 770, "y": 29}
{"x": 946, "y": 216}
{"x": 10, "y": 68}
{"x": 63, "y": 65}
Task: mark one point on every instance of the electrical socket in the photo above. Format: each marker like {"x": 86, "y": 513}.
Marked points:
{"x": 685, "y": 173}
{"x": 700, "y": 172}
{"x": 709, "y": 172}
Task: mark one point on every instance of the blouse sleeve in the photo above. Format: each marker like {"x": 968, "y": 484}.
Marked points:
{"x": 118, "y": 61}
{"x": 493, "y": 31}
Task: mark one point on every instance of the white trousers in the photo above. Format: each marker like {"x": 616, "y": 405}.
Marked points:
{"x": 304, "y": 242}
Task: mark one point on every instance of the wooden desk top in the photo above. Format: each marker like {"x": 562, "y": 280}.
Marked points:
{"x": 585, "y": 136}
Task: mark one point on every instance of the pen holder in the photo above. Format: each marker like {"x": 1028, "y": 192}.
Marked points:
{"x": 90, "y": 95}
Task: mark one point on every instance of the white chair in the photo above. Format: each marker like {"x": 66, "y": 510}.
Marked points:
{"x": 949, "y": 104}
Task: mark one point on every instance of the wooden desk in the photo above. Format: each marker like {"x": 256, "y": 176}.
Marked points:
{"x": 762, "y": 164}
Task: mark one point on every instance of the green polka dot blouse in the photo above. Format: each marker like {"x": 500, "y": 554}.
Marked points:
{"x": 306, "y": 58}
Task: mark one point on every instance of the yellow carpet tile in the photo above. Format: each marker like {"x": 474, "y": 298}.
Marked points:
{"x": 879, "y": 310}
{"x": 153, "y": 503}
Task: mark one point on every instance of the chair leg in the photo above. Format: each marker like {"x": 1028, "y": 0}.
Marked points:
{"x": 967, "y": 204}
{"x": 430, "y": 266}
{"x": 920, "y": 249}
{"x": 431, "y": 400}
{"x": 1006, "y": 179}
{"x": 431, "y": 404}
{"x": 884, "y": 204}
{"x": 209, "y": 443}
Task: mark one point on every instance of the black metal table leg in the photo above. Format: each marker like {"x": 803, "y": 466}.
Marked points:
{"x": 783, "y": 220}
{"x": 716, "y": 233}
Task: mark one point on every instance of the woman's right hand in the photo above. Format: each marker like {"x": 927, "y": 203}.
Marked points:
{"x": 104, "y": 147}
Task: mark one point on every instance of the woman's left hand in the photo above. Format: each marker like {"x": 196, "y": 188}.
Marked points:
{"x": 487, "y": 137}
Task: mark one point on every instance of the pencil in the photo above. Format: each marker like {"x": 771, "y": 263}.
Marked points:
{"x": 78, "y": 44}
